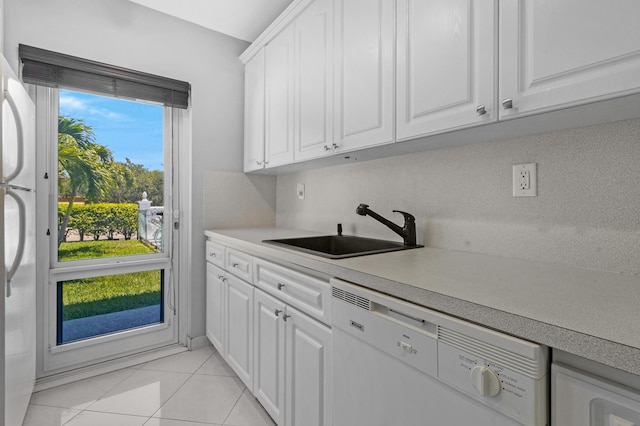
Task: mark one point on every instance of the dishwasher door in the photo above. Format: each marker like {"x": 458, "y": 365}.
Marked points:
{"x": 388, "y": 371}
{"x": 372, "y": 388}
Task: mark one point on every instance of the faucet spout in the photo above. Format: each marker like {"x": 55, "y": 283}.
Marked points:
{"x": 407, "y": 232}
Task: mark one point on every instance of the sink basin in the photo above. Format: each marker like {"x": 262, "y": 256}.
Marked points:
{"x": 339, "y": 246}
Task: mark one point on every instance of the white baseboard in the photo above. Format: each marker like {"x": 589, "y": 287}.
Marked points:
{"x": 195, "y": 343}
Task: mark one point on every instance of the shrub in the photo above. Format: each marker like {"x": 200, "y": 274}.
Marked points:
{"x": 102, "y": 219}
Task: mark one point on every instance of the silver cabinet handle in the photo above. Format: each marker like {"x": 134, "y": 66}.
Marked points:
{"x": 277, "y": 312}
{"x": 222, "y": 278}
{"x": 507, "y": 103}
{"x": 335, "y": 146}
{"x": 212, "y": 254}
{"x": 266, "y": 162}
{"x": 280, "y": 285}
{"x": 327, "y": 148}
{"x": 235, "y": 264}
{"x": 285, "y": 316}
{"x": 259, "y": 163}
{"x": 481, "y": 110}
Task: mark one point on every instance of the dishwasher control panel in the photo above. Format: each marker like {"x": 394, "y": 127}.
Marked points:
{"x": 511, "y": 392}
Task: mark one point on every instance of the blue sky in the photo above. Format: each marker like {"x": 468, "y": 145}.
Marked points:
{"x": 131, "y": 130}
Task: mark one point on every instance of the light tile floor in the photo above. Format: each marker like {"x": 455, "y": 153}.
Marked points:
{"x": 189, "y": 389}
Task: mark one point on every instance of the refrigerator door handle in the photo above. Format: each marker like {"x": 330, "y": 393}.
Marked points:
{"x": 21, "y": 239}
{"x": 19, "y": 130}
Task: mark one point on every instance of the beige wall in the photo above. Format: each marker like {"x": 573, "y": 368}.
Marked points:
{"x": 238, "y": 200}
{"x": 586, "y": 214}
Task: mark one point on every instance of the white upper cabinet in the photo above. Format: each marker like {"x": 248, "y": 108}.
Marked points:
{"x": 561, "y": 53}
{"x": 254, "y": 113}
{"x": 364, "y": 80}
{"x": 314, "y": 81}
{"x": 279, "y": 98}
{"x": 343, "y": 75}
{"x": 445, "y": 65}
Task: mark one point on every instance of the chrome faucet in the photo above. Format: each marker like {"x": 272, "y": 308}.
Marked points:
{"x": 407, "y": 232}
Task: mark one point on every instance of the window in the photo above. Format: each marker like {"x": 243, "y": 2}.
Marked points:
{"x": 110, "y": 202}
{"x": 110, "y": 196}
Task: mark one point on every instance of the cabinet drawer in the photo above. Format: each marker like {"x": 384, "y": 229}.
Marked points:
{"x": 215, "y": 253}
{"x": 305, "y": 292}
{"x": 239, "y": 264}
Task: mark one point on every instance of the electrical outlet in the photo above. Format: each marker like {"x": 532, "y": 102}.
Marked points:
{"x": 525, "y": 180}
{"x": 300, "y": 191}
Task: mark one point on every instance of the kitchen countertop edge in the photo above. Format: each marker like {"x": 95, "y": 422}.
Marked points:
{"x": 614, "y": 354}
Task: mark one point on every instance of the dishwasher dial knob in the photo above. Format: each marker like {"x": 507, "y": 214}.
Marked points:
{"x": 486, "y": 382}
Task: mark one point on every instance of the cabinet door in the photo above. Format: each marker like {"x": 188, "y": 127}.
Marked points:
{"x": 446, "y": 51}
{"x": 314, "y": 78}
{"x": 215, "y": 306}
{"x": 268, "y": 373}
{"x": 279, "y": 87}
{"x": 560, "y": 53}
{"x": 254, "y": 113}
{"x": 364, "y": 80}
{"x": 309, "y": 371}
{"x": 239, "y": 328}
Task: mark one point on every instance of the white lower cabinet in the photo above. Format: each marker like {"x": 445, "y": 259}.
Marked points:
{"x": 272, "y": 335}
{"x": 215, "y": 306}
{"x": 308, "y": 371}
{"x": 229, "y": 320}
{"x": 268, "y": 346}
{"x": 239, "y": 328}
{"x": 292, "y": 362}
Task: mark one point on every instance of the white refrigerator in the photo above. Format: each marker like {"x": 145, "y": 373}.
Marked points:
{"x": 17, "y": 231}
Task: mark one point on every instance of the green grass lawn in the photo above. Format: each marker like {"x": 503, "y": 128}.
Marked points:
{"x": 113, "y": 293}
{"x": 104, "y": 248}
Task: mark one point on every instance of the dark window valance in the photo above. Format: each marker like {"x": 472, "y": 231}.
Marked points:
{"x": 53, "y": 69}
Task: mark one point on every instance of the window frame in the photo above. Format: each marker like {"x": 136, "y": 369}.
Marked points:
{"x": 78, "y": 354}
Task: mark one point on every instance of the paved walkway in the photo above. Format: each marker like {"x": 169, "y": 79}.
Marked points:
{"x": 97, "y": 325}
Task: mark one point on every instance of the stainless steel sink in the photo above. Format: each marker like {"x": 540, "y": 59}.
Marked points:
{"x": 340, "y": 246}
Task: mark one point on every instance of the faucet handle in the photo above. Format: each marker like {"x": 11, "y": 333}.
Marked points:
{"x": 408, "y": 217}
{"x": 362, "y": 209}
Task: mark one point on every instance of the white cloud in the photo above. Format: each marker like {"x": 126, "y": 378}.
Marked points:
{"x": 71, "y": 103}
{"x": 79, "y": 106}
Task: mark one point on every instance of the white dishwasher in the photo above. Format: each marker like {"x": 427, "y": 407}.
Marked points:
{"x": 396, "y": 363}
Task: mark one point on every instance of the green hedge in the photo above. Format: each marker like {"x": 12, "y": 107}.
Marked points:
{"x": 101, "y": 219}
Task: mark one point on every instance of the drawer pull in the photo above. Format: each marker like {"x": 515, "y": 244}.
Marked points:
{"x": 222, "y": 278}
{"x": 235, "y": 264}
{"x": 280, "y": 285}
{"x": 277, "y": 312}
{"x": 212, "y": 254}
{"x": 285, "y": 316}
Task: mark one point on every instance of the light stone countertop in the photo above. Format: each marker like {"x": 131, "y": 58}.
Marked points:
{"x": 589, "y": 313}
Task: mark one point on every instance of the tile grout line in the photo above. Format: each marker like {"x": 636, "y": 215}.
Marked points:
{"x": 84, "y": 409}
{"x": 234, "y": 405}
{"x": 180, "y": 387}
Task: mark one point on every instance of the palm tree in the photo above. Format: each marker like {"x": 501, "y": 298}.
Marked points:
{"x": 84, "y": 166}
